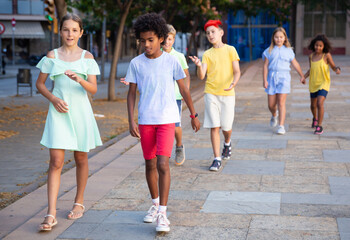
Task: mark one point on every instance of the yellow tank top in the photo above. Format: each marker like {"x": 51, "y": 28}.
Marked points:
{"x": 319, "y": 76}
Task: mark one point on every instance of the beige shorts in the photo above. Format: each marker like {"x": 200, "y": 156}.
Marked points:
{"x": 219, "y": 111}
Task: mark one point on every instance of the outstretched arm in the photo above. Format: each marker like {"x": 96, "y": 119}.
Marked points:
{"x": 201, "y": 67}
{"x": 297, "y": 67}
{"x": 122, "y": 80}
{"x": 131, "y": 99}
{"x": 307, "y": 74}
{"x": 185, "y": 92}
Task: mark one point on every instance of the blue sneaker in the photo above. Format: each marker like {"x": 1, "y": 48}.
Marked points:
{"x": 215, "y": 166}
{"x": 226, "y": 152}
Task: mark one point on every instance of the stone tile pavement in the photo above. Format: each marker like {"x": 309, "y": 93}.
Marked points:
{"x": 294, "y": 186}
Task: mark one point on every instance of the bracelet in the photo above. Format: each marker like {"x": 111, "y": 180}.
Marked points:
{"x": 194, "y": 116}
{"x": 337, "y": 68}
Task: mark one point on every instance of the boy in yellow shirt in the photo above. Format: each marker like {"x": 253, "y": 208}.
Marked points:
{"x": 221, "y": 65}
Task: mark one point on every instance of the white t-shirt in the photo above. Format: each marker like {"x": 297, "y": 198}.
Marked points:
{"x": 155, "y": 79}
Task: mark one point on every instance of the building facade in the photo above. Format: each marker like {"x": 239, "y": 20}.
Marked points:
{"x": 31, "y": 33}
{"x": 251, "y": 35}
{"x": 332, "y": 20}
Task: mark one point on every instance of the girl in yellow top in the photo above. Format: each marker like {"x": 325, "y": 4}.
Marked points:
{"x": 320, "y": 59}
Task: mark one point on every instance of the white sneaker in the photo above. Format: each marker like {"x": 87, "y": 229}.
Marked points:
{"x": 151, "y": 214}
{"x": 162, "y": 223}
{"x": 281, "y": 130}
{"x": 274, "y": 121}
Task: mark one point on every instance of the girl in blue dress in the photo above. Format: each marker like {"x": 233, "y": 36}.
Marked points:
{"x": 70, "y": 123}
{"x": 276, "y": 76}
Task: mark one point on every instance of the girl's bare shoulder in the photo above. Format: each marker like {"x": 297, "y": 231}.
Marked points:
{"x": 88, "y": 55}
{"x": 50, "y": 54}
{"x": 328, "y": 55}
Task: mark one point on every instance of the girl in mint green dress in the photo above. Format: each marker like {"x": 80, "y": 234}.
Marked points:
{"x": 70, "y": 123}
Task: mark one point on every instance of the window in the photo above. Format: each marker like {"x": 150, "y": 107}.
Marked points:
{"x": 32, "y": 7}
{"x": 328, "y": 19}
{"x": 6, "y": 6}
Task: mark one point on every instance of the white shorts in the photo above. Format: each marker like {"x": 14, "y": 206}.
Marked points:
{"x": 219, "y": 111}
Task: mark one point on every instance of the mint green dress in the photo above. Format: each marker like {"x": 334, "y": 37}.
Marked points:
{"x": 77, "y": 129}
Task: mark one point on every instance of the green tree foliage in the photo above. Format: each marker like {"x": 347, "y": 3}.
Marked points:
{"x": 116, "y": 12}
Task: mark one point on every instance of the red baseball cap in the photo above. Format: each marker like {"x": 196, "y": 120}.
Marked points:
{"x": 215, "y": 23}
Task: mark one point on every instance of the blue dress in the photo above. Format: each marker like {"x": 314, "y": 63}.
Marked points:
{"x": 77, "y": 129}
{"x": 278, "y": 77}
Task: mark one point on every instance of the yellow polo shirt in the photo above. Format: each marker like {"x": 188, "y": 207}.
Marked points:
{"x": 220, "y": 69}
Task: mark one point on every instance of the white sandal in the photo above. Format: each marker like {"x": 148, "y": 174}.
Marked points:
{"x": 54, "y": 223}
{"x": 76, "y": 212}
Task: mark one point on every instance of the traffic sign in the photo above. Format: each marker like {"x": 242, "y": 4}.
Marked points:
{"x": 13, "y": 22}
{"x": 2, "y": 28}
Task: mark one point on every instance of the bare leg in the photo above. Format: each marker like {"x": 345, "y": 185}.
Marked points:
{"x": 215, "y": 141}
{"x": 281, "y": 102}
{"x": 82, "y": 174}
{"x": 53, "y": 181}
{"x": 272, "y": 104}
{"x": 164, "y": 179}
{"x": 313, "y": 107}
{"x": 320, "y": 108}
{"x": 227, "y": 135}
{"x": 178, "y": 136}
{"x": 152, "y": 177}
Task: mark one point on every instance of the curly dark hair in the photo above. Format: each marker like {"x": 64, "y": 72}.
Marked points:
{"x": 151, "y": 22}
{"x": 321, "y": 37}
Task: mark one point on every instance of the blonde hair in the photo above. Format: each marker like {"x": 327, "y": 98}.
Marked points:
{"x": 286, "y": 41}
{"x": 172, "y": 30}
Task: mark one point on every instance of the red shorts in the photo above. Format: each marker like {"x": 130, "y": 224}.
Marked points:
{"x": 157, "y": 140}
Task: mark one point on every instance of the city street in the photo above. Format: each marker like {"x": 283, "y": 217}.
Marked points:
{"x": 294, "y": 186}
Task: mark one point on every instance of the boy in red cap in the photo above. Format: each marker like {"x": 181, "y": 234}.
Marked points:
{"x": 221, "y": 65}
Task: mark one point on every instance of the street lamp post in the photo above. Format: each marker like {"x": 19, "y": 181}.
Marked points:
{"x": 2, "y": 30}
{"x": 103, "y": 49}
{"x": 13, "y": 22}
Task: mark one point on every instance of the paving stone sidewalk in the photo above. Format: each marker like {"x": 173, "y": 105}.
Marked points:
{"x": 294, "y": 186}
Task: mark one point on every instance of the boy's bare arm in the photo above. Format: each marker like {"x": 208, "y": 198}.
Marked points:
{"x": 185, "y": 93}
{"x": 134, "y": 131}
{"x": 188, "y": 78}
{"x": 122, "y": 80}
{"x": 201, "y": 67}
{"x": 236, "y": 75}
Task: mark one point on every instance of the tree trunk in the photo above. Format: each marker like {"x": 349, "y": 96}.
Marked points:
{"x": 192, "y": 39}
{"x": 172, "y": 15}
{"x": 61, "y": 7}
{"x": 117, "y": 50}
